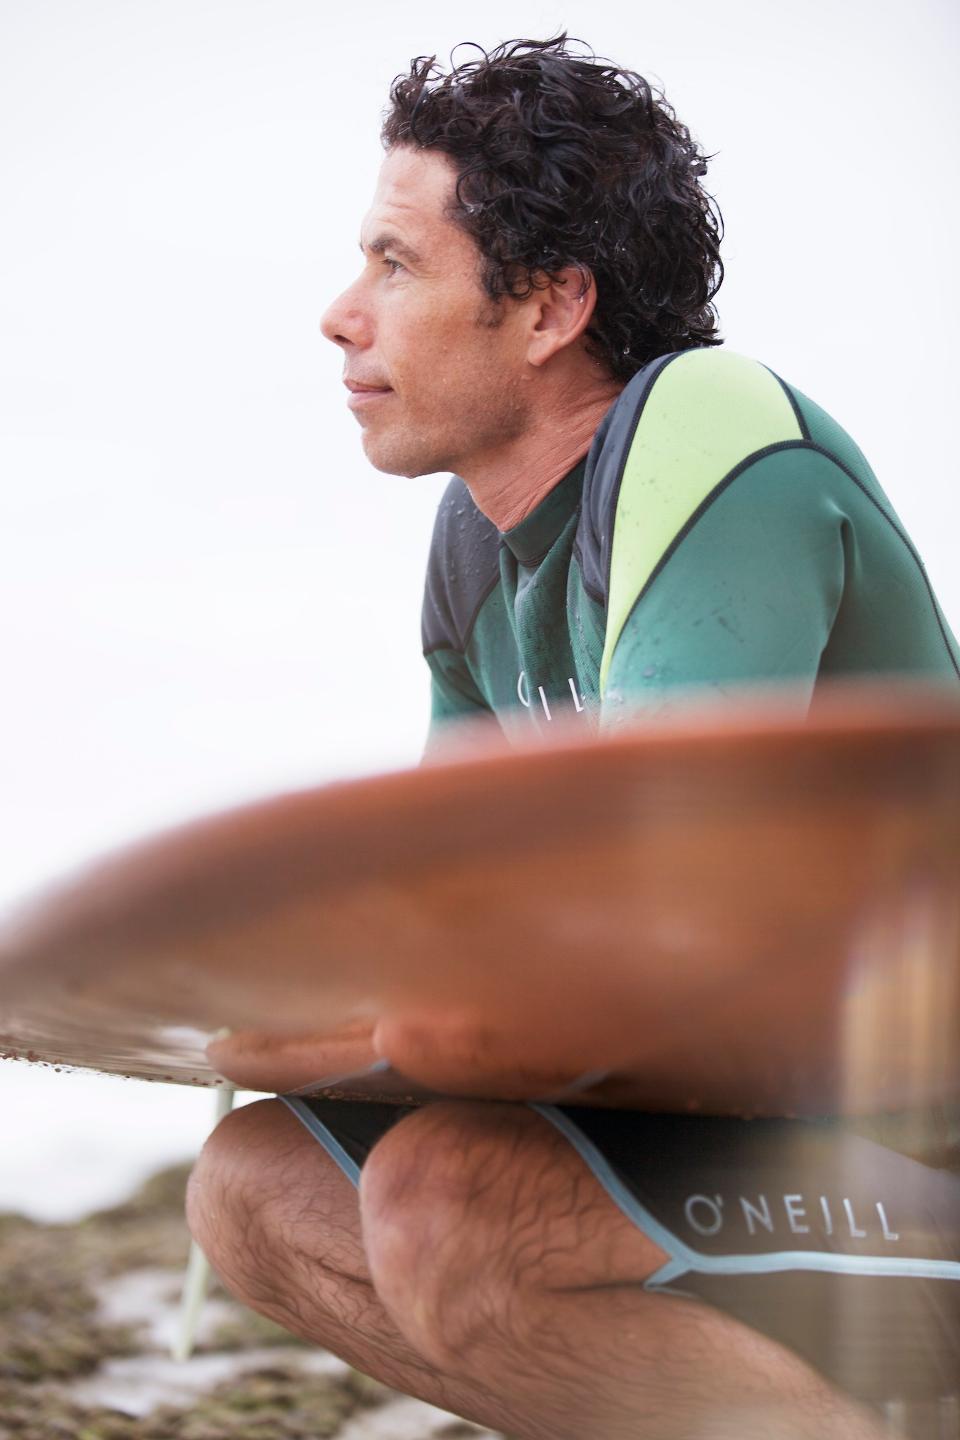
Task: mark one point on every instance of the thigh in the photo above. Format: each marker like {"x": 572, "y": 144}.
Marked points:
{"x": 473, "y": 1196}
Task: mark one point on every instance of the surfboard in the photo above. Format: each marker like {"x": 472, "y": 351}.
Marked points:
{"x": 734, "y": 909}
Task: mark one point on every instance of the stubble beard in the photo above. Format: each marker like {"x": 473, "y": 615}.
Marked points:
{"x": 409, "y": 451}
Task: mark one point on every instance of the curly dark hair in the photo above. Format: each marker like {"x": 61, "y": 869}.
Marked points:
{"x": 564, "y": 159}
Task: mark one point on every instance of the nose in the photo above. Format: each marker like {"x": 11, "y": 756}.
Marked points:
{"x": 346, "y": 321}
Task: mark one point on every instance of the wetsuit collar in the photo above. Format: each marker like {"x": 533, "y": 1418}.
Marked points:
{"x": 533, "y": 537}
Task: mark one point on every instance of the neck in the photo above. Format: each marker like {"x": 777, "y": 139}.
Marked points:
{"x": 510, "y": 483}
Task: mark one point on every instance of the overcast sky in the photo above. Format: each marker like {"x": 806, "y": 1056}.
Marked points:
{"x": 205, "y": 591}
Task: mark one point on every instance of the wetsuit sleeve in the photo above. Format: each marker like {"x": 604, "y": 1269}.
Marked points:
{"x": 453, "y": 697}
{"x": 461, "y": 566}
{"x": 746, "y": 592}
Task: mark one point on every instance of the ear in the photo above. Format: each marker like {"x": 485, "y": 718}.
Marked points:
{"x": 561, "y": 311}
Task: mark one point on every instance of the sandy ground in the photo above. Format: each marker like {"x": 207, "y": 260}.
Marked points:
{"x": 88, "y": 1311}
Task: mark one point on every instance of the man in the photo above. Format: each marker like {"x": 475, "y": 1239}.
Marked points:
{"x": 637, "y": 516}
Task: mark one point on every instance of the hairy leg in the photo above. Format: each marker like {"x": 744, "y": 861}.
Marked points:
{"x": 487, "y": 1271}
{"x": 280, "y": 1224}
{"x": 503, "y": 1260}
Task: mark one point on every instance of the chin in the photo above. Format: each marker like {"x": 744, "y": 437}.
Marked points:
{"x": 399, "y": 459}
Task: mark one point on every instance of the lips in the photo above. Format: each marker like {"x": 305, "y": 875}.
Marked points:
{"x": 364, "y": 397}
{"x": 357, "y": 387}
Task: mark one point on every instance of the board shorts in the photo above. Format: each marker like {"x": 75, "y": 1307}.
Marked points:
{"x": 842, "y": 1249}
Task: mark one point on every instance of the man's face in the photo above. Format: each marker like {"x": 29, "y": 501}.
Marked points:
{"x": 443, "y": 384}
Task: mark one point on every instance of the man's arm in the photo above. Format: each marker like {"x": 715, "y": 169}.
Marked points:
{"x": 748, "y": 592}
{"x": 747, "y": 541}
{"x": 790, "y": 573}
{"x": 454, "y": 697}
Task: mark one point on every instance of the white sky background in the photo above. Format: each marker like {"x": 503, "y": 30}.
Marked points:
{"x": 205, "y": 591}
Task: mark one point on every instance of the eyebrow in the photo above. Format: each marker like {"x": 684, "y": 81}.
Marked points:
{"x": 391, "y": 242}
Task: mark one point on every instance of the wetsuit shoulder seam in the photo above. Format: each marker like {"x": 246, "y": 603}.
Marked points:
{"x": 792, "y": 399}
{"x": 464, "y": 645}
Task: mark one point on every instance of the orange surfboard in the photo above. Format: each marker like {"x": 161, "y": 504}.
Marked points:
{"x": 732, "y": 911}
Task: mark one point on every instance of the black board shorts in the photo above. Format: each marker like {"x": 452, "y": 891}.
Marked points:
{"x": 842, "y": 1249}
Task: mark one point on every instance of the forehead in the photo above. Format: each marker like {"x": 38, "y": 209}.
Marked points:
{"x": 414, "y": 189}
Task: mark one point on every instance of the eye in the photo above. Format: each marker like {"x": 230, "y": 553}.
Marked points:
{"x": 393, "y": 265}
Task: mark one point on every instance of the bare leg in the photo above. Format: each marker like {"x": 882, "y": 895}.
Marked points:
{"x": 486, "y": 1270}
{"x": 280, "y": 1223}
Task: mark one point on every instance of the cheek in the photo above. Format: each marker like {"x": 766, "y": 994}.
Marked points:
{"x": 437, "y": 367}
{"x": 446, "y": 364}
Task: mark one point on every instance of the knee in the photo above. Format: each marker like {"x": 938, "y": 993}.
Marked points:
{"x": 240, "y": 1193}
{"x": 229, "y": 1184}
{"x": 452, "y": 1227}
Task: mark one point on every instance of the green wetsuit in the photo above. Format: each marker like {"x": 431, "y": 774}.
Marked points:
{"x": 722, "y": 530}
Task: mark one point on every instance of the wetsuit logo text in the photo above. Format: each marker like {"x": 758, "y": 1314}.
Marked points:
{"x": 820, "y": 1215}
{"x": 523, "y": 694}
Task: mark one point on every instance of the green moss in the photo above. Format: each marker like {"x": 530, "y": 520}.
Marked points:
{"x": 49, "y": 1273}
{"x": 280, "y": 1403}
{"x": 48, "y": 1324}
